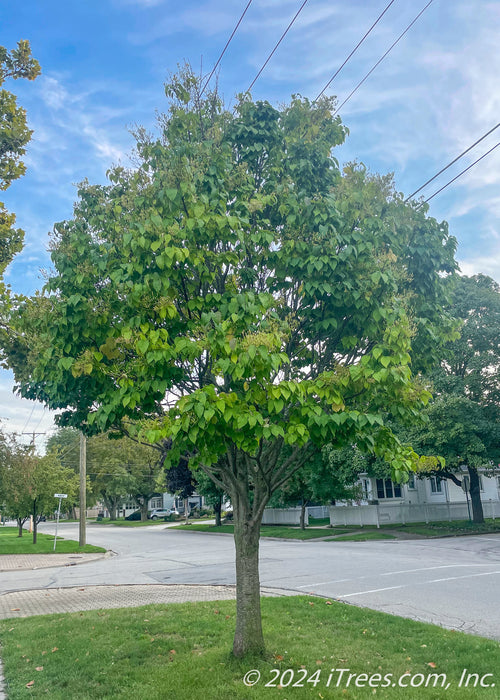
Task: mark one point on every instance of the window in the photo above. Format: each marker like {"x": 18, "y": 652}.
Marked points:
{"x": 411, "y": 481}
{"x": 436, "y": 484}
{"x": 366, "y": 488}
{"x": 386, "y": 489}
{"x": 157, "y": 502}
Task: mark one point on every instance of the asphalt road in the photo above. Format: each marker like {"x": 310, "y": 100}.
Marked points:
{"x": 453, "y": 582}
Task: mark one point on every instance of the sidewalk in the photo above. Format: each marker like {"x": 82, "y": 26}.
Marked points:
{"x": 67, "y": 600}
{"x": 19, "y": 562}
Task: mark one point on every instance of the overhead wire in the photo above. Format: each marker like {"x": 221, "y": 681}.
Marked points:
{"x": 225, "y": 47}
{"x": 382, "y": 58}
{"x": 29, "y": 418}
{"x": 461, "y": 173}
{"x": 452, "y": 162}
{"x": 354, "y": 49}
{"x": 276, "y": 46}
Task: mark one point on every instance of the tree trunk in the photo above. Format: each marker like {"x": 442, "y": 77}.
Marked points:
{"x": 248, "y": 637}
{"x": 144, "y": 510}
{"x": 303, "y": 507}
{"x": 20, "y": 524}
{"x": 217, "y": 510}
{"x": 112, "y": 512}
{"x": 35, "y": 524}
{"x": 475, "y": 496}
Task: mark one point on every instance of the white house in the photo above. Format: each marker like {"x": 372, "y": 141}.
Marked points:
{"x": 420, "y": 500}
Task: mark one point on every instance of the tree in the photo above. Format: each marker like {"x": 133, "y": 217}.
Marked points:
{"x": 237, "y": 296}
{"x": 116, "y": 468}
{"x": 329, "y": 475}
{"x": 14, "y": 135}
{"x": 464, "y": 421}
{"x": 180, "y": 481}
{"x": 13, "y": 489}
{"x": 213, "y": 494}
{"x": 30, "y": 482}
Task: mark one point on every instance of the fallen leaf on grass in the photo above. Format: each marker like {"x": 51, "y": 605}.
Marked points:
{"x": 30, "y": 684}
{"x": 39, "y": 668}
{"x": 55, "y": 649}
{"x": 328, "y": 602}
{"x": 278, "y": 657}
{"x": 431, "y": 664}
{"x": 12, "y": 628}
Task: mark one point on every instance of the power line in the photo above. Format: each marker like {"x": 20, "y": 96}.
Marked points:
{"x": 29, "y": 418}
{"x": 461, "y": 173}
{"x": 354, "y": 50}
{"x": 276, "y": 46}
{"x": 41, "y": 419}
{"x": 452, "y": 162}
{"x": 225, "y": 47}
{"x": 381, "y": 59}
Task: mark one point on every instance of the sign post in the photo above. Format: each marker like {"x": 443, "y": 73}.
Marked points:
{"x": 60, "y": 496}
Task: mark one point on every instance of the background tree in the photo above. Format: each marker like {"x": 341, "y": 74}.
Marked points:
{"x": 116, "y": 468}
{"x": 237, "y": 296}
{"x": 30, "y": 482}
{"x": 328, "y": 476}
{"x": 13, "y": 480}
{"x": 180, "y": 481}
{"x": 14, "y": 135}
{"x": 464, "y": 421}
{"x": 213, "y": 494}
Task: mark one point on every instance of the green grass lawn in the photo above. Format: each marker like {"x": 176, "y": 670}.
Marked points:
{"x": 443, "y": 528}
{"x": 318, "y": 522}
{"x": 294, "y": 533}
{"x": 362, "y": 537}
{"x": 130, "y": 523}
{"x": 181, "y": 652}
{"x": 10, "y": 543}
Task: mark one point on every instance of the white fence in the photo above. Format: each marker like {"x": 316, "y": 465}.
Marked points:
{"x": 291, "y": 516}
{"x": 283, "y": 516}
{"x": 387, "y": 513}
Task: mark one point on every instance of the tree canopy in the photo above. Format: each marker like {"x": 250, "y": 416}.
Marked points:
{"x": 237, "y": 295}
{"x": 14, "y": 135}
{"x": 464, "y": 420}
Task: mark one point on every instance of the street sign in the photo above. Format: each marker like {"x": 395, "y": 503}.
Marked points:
{"x": 60, "y": 495}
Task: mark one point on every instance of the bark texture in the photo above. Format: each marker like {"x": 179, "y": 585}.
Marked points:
{"x": 248, "y": 637}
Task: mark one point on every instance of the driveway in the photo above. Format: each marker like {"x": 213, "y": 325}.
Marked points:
{"x": 453, "y": 582}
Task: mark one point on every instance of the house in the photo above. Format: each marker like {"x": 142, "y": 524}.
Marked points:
{"x": 419, "y": 500}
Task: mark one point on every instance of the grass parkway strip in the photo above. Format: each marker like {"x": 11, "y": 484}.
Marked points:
{"x": 317, "y": 648}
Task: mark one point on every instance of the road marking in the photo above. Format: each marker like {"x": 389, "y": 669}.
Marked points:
{"x": 429, "y": 568}
{"x": 324, "y": 583}
{"x": 455, "y": 578}
{"x": 375, "y": 590}
{"x": 418, "y": 583}
{"x": 392, "y": 573}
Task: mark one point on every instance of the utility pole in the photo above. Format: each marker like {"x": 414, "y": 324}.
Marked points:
{"x": 34, "y": 435}
{"x": 83, "y": 489}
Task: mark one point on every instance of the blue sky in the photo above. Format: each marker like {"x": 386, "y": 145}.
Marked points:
{"x": 104, "y": 65}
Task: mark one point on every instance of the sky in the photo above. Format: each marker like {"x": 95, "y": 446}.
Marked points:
{"x": 105, "y": 63}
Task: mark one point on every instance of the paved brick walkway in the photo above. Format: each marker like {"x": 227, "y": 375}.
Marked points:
{"x": 16, "y": 562}
{"x": 61, "y": 600}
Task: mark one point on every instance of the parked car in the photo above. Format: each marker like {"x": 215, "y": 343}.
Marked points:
{"x": 159, "y": 513}
{"x": 136, "y": 515}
